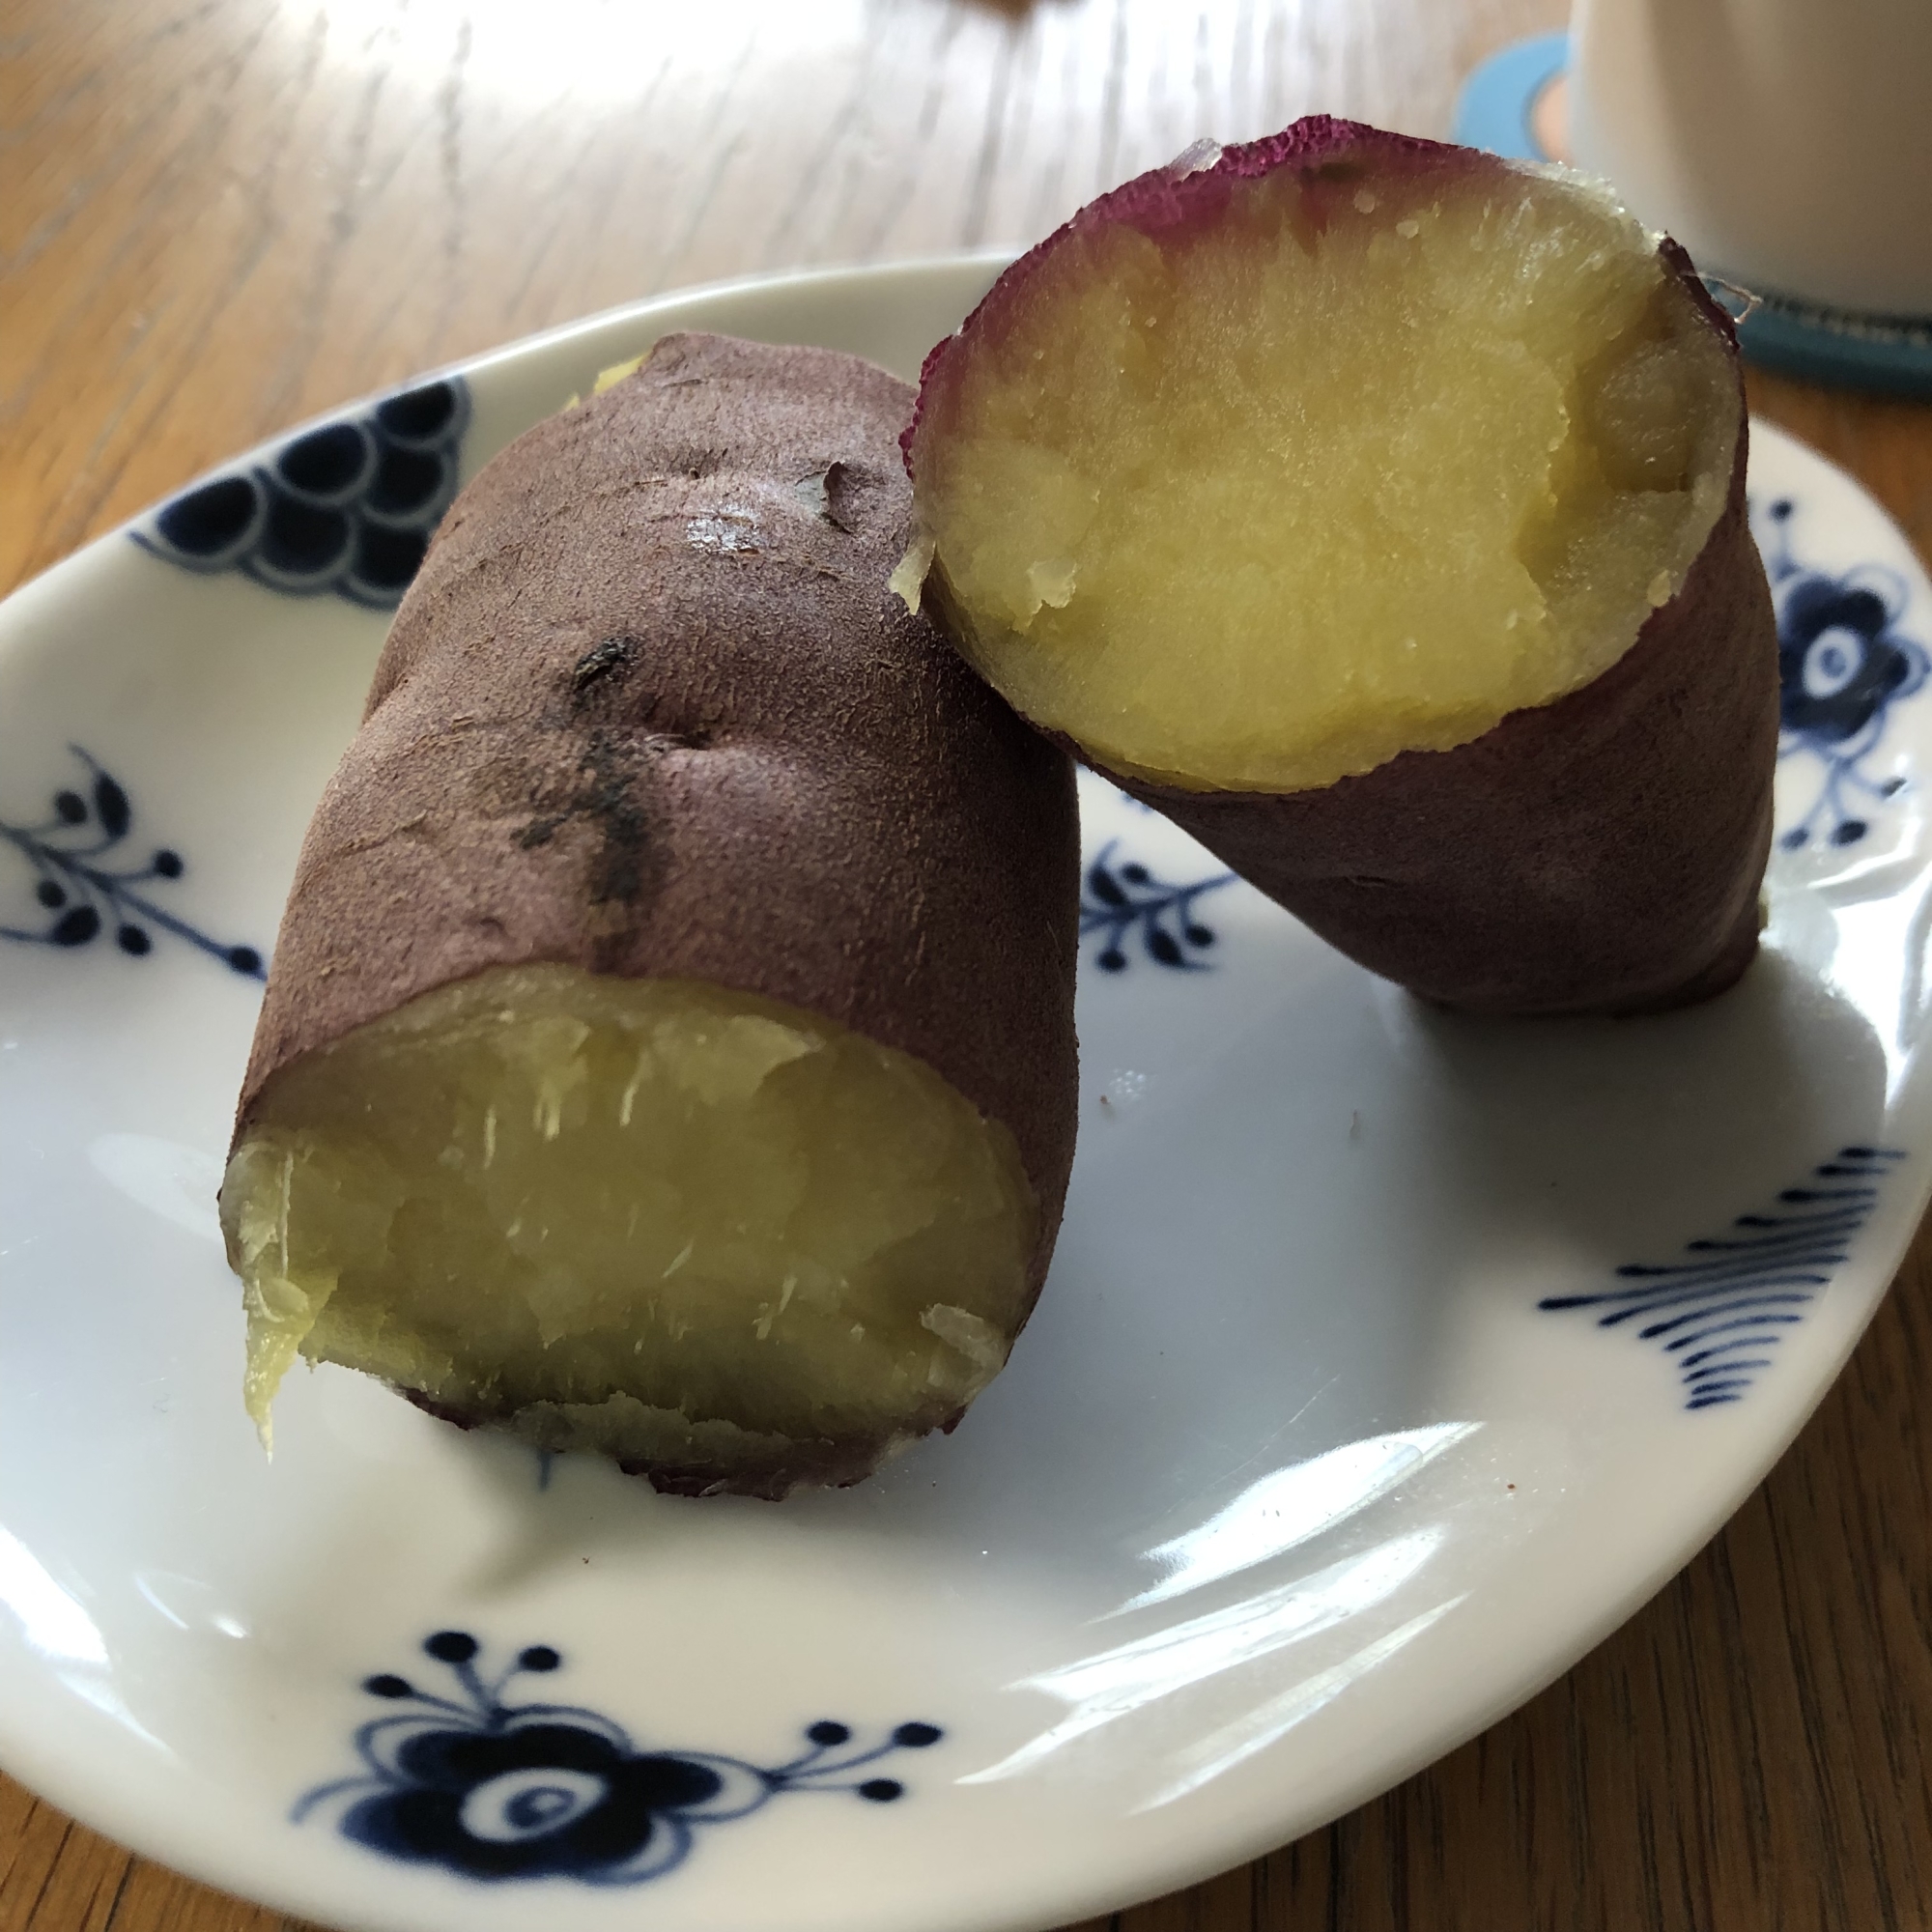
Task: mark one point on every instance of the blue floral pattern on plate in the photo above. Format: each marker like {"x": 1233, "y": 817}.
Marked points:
{"x": 492, "y": 1790}
{"x": 80, "y": 898}
{"x": 1121, "y": 898}
{"x": 1843, "y": 663}
{"x": 347, "y": 507}
{"x": 1720, "y": 1311}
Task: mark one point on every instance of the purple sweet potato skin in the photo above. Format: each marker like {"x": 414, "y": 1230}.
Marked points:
{"x": 649, "y": 709}
{"x": 1600, "y": 854}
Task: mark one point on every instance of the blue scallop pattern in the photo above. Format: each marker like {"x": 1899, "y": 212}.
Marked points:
{"x": 84, "y": 897}
{"x": 1122, "y": 899}
{"x": 1720, "y": 1311}
{"x": 347, "y": 507}
{"x": 1844, "y": 662}
{"x": 494, "y": 1790}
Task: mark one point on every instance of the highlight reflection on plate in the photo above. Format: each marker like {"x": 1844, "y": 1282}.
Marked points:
{"x": 1389, "y": 1358}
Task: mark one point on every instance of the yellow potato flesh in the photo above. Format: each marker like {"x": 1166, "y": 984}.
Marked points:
{"x": 630, "y": 1209}
{"x": 1263, "y": 508}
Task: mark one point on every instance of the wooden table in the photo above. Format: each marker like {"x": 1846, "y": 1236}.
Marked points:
{"x": 220, "y": 216}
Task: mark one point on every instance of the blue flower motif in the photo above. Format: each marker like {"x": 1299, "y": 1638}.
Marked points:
{"x": 81, "y": 898}
{"x": 1843, "y": 663}
{"x": 492, "y": 1790}
{"x": 1116, "y": 899}
{"x": 348, "y": 507}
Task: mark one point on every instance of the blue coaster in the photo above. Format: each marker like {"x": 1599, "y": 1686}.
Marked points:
{"x": 1793, "y": 338}
{"x": 1823, "y": 344}
{"x": 1495, "y": 107}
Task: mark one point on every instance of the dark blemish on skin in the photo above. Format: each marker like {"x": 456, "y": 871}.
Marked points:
{"x": 601, "y": 661}
{"x": 627, "y": 859}
{"x": 626, "y": 868}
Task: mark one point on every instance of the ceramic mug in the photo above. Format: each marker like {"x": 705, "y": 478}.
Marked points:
{"x": 1786, "y": 143}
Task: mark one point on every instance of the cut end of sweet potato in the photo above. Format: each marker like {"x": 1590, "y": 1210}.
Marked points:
{"x": 1257, "y": 477}
{"x": 730, "y": 1244}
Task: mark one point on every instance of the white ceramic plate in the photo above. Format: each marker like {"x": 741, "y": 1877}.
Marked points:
{"x": 1344, "y": 1423}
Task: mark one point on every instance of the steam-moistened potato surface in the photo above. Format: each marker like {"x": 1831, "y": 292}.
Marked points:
{"x": 668, "y": 1049}
{"x": 1277, "y": 477}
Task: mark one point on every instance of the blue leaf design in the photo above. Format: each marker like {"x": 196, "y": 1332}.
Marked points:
{"x": 111, "y": 808}
{"x": 1720, "y": 1311}
{"x": 87, "y": 895}
{"x": 1120, "y": 900}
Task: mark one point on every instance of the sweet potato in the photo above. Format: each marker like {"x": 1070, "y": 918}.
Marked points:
{"x": 1374, "y": 508}
{"x": 669, "y": 1048}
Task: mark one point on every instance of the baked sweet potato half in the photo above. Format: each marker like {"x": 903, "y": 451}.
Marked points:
{"x": 1375, "y": 509}
{"x": 668, "y": 1049}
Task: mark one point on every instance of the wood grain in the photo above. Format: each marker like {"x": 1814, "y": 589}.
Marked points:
{"x": 220, "y": 216}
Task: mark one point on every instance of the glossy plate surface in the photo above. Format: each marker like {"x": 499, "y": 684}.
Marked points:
{"x": 1388, "y": 1360}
